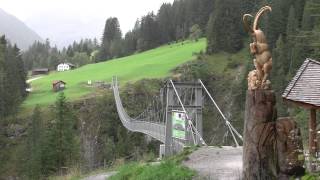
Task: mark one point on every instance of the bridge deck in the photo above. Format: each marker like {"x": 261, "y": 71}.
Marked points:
{"x": 155, "y": 130}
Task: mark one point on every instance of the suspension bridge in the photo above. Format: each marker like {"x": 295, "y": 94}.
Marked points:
{"x": 175, "y": 118}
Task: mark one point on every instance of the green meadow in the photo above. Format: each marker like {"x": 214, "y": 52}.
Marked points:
{"x": 155, "y": 63}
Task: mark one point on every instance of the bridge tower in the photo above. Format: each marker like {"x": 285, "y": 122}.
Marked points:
{"x": 180, "y": 97}
{"x": 178, "y": 123}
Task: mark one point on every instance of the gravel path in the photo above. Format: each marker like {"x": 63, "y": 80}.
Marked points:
{"x": 102, "y": 176}
{"x": 216, "y": 163}
{"x": 33, "y": 79}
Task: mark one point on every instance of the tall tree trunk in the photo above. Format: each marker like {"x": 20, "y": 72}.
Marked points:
{"x": 259, "y": 149}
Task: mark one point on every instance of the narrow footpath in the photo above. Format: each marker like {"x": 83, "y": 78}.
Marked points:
{"x": 102, "y": 176}
{"x": 215, "y": 163}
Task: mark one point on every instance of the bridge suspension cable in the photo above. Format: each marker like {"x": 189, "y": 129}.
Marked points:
{"x": 227, "y": 122}
{"x": 154, "y": 120}
{"x": 153, "y": 129}
{"x": 192, "y": 128}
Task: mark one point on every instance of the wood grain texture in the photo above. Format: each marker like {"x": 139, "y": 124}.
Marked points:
{"x": 259, "y": 149}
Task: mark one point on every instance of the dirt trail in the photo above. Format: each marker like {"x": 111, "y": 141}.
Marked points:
{"x": 33, "y": 79}
{"x": 211, "y": 163}
{"x": 216, "y": 163}
{"x": 102, "y": 176}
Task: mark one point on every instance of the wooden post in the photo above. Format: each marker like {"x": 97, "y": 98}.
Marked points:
{"x": 312, "y": 138}
{"x": 168, "y": 140}
{"x": 199, "y": 124}
{"x": 259, "y": 152}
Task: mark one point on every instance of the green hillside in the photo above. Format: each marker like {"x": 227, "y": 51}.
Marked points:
{"x": 154, "y": 63}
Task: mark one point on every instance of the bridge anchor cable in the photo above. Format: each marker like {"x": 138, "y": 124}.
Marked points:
{"x": 192, "y": 127}
{"x": 228, "y": 124}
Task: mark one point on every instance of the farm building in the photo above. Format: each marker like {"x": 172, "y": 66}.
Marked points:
{"x": 58, "y": 85}
{"x": 65, "y": 67}
{"x": 40, "y": 71}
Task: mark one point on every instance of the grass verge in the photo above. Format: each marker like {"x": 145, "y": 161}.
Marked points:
{"x": 169, "y": 168}
{"x": 310, "y": 176}
{"x": 165, "y": 170}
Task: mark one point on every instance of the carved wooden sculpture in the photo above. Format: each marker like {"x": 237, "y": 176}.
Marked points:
{"x": 259, "y": 48}
{"x": 272, "y": 148}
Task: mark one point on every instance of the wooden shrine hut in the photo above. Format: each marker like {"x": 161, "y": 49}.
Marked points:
{"x": 58, "y": 85}
{"x": 304, "y": 91}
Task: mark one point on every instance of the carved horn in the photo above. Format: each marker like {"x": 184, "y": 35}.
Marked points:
{"x": 246, "y": 23}
{"x": 259, "y": 13}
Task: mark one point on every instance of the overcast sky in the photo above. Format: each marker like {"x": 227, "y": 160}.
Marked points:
{"x": 63, "y": 21}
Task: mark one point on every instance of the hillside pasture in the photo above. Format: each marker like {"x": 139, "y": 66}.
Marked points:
{"x": 155, "y": 63}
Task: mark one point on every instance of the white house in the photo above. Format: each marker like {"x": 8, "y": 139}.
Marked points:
{"x": 65, "y": 66}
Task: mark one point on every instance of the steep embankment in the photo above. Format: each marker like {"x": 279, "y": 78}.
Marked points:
{"x": 155, "y": 63}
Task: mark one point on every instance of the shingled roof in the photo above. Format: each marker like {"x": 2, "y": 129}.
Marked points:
{"x": 305, "y": 86}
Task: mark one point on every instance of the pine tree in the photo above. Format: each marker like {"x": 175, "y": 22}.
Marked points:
{"x": 314, "y": 36}
{"x": 192, "y": 13}
{"x": 13, "y": 83}
{"x": 306, "y": 43}
{"x": 42, "y": 55}
{"x": 292, "y": 25}
{"x": 148, "y": 34}
{"x": 70, "y": 52}
{"x": 130, "y": 43}
{"x": 299, "y": 8}
{"x": 195, "y": 32}
{"x": 180, "y": 19}
{"x": 276, "y": 23}
{"x": 204, "y": 11}
{"x": 2, "y": 77}
{"x": 165, "y": 21}
{"x": 279, "y": 75}
{"x": 122, "y": 144}
{"x": 34, "y": 145}
{"x": 224, "y": 32}
{"x": 211, "y": 35}
{"x": 291, "y": 32}
{"x": 12, "y": 78}
{"x": 61, "y": 148}
{"x": 112, "y": 33}
{"x": 21, "y": 72}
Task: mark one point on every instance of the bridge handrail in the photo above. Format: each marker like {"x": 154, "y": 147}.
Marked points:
{"x": 155, "y": 130}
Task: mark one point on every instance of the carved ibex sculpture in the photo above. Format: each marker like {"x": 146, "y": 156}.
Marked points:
{"x": 259, "y": 48}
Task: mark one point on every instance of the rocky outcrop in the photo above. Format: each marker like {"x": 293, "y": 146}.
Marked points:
{"x": 15, "y": 130}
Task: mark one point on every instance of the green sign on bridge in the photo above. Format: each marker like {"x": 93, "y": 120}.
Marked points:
{"x": 179, "y": 125}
